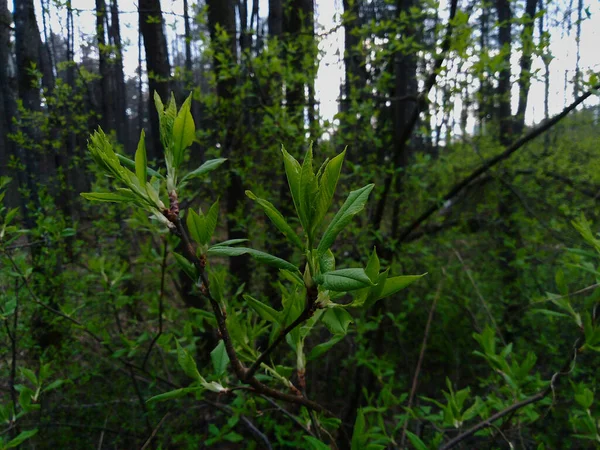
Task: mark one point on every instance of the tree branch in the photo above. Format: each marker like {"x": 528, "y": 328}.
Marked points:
{"x": 535, "y": 132}
{"x": 419, "y": 106}
{"x": 515, "y": 406}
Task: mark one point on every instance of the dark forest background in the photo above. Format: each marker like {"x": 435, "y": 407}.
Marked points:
{"x": 501, "y": 215}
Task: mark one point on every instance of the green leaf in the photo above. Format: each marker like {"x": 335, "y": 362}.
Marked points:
{"x": 359, "y": 436}
{"x": 264, "y": 311}
{"x": 344, "y": 280}
{"x": 202, "y": 227}
{"x": 277, "y": 219}
{"x": 327, "y": 185}
{"x": 416, "y": 441}
{"x": 327, "y": 262}
{"x": 30, "y": 375}
{"x": 293, "y": 171}
{"x": 395, "y": 284}
{"x": 131, "y": 164}
{"x": 195, "y": 224}
{"x": 21, "y": 437}
{"x": 265, "y": 258}
{"x": 337, "y": 320}
{"x": 186, "y": 266}
{"x": 307, "y": 192}
{"x": 177, "y": 393}
{"x": 230, "y": 242}
{"x": 141, "y": 161}
{"x": 184, "y": 131}
{"x": 105, "y": 197}
{"x": 210, "y": 222}
{"x": 373, "y": 266}
{"x": 219, "y": 358}
{"x": 205, "y": 168}
{"x": 352, "y": 206}
{"x": 315, "y": 444}
{"x": 323, "y": 347}
{"x": 187, "y": 363}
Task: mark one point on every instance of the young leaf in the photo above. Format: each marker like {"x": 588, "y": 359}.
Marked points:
{"x": 277, "y": 219}
{"x": 327, "y": 184}
{"x": 187, "y": 363}
{"x": 205, "y": 168}
{"x": 186, "y": 266}
{"x": 315, "y": 444}
{"x": 184, "y": 131}
{"x": 21, "y": 437}
{"x": 177, "y": 393}
{"x": 195, "y": 225}
{"x": 264, "y": 311}
{"x": 320, "y": 349}
{"x": 210, "y": 222}
{"x": 105, "y": 197}
{"x": 219, "y": 358}
{"x": 344, "y": 280}
{"x": 141, "y": 162}
{"x": 292, "y": 171}
{"x": 131, "y": 164}
{"x": 395, "y": 284}
{"x": 307, "y": 192}
{"x": 416, "y": 441}
{"x": 337, "y": 320}
{"x": 265, "y": 258}
{"x": 352, "y": 206}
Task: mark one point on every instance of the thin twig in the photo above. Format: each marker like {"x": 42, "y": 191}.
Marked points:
{"x": 566, "y": 369}
{"x": 288, "y": 414}
{"x": 457, "y": 188}
{"x": 154, "y": 431}
{"x": 483, "y": 302}
{"x": 161, "y": 295}
{"x": 415, "y": 380}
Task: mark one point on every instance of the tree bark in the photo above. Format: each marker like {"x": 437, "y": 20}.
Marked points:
{"x": 504, "y": 115}
{"x": 157, "y": 65}
{"x": 221, "y": 14}
{"x": 525, "y": 64}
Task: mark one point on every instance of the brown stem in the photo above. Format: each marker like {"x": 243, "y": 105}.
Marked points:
{"x": 238, "y": 367}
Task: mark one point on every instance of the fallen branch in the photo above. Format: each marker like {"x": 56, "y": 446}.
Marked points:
{"x": 535, "y": 132}
{"x": 567, "y": 368}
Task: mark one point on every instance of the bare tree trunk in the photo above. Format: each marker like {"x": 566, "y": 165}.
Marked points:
{"x": 504, "y": 115}
{"x": 120, "y": 103}
{"x": 525, "y": 63}
{"x": 221, "y": 13}
{"x": 8, "y": 105}
{"x": 157, "y": 64}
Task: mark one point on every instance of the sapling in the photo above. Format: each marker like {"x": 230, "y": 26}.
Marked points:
{"x": 311, "y": 294}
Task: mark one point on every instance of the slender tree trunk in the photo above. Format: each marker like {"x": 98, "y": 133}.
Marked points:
{"x": 120, "y": 94}
{"x": 275, "y": 18}
{"x": 27, "y": 46}
{"x": 525, "y": 63}
{"x": 157, "y": 64}
{"x": 503, "y": 91}
{"x": 221, "y": 14}
{"x": 8, "y": 105}
{"x": 577, "y": 86}
{"x": 107, "y": 121}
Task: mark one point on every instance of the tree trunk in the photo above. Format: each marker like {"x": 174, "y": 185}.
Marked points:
{"x": 221, "y": 13}
{"x": 120, "y": 104}
{"x": 7, "y": 104}
{"x": 157, "y": 65}
{"x": 504, "y": 114}
{"x": 525, "y": 64}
